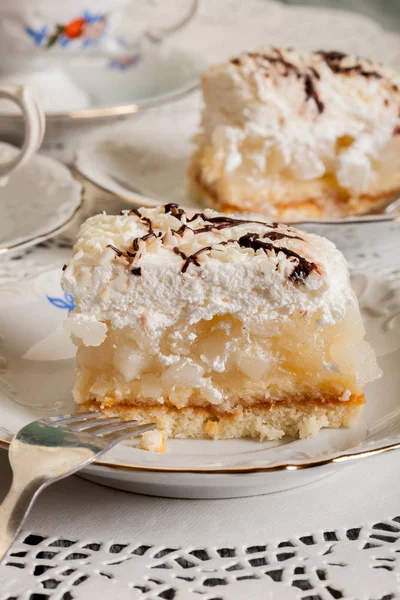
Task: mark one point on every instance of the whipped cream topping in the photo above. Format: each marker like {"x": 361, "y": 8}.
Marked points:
{"x": 153, "y": 269}
{"x": 302, "y": 115}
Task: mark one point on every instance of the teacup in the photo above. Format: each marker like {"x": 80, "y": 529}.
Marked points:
{"x": 37, "y": 36}
{"x": 34, "y": 127}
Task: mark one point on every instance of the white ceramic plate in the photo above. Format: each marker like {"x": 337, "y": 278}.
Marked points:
{"x": 39, "y": 200}
{"x": 37, "y": 362}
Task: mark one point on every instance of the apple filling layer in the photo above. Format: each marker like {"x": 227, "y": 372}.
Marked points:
{"x": 220, "y": 366}
{"x": 277, "y": 190}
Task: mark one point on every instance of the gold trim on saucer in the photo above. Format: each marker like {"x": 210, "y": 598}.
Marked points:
{"x": 112, "y": 111}
{"x": 45, "y": 235}
{"x": 141, "y": 201}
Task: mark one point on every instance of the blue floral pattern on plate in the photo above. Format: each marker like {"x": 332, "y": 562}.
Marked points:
{"x": 65, "y": 303}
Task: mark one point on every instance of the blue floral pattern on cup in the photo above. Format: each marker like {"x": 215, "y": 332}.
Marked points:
{"x": 89, "y": 28}
{"x": 129, "y": 56}
{"x": 65, "y": 303}
{"x": 123, "y": 63}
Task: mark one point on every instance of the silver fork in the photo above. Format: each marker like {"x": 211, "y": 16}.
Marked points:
{"x": 48, "y": 450}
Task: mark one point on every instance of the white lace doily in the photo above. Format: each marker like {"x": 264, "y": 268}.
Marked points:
{"x": 319, "y": 566}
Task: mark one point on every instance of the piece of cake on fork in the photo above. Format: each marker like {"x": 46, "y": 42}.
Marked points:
{"x": 214, "y": 326}
{"x": 296, "y": 135}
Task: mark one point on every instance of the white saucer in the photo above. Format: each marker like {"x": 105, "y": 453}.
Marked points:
{"x": 142, "y": 168}
{"x": 38, "y": 201}
{"x": 115, "y": 92}
{"x": 39, "y": 349}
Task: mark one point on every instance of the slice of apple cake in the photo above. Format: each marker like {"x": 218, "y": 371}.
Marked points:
{"x": 298, "y": 134}
{"x": 214, "y": 326}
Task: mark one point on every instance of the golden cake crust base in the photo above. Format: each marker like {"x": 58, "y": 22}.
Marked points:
{"x": 261, "y": 421}
{"x": 320, "y": 206}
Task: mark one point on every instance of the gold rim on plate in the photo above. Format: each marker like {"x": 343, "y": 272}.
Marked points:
{"x": 339, "y": 459}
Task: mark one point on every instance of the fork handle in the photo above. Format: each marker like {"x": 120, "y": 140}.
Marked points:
{"x": 14, "y": 510}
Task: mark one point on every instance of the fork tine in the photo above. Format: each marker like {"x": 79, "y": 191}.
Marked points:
{"x": 128, "y": 431}
{"x": 70, "y": 419}
{"x": 114, "y": 428}
{"x": 90, "y": 424}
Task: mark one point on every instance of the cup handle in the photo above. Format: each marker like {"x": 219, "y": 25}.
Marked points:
{"x": 158, "y": 34}
{"x": 34, "y": 117}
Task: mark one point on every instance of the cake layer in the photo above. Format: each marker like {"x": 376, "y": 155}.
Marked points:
{"x": 318, "y": 131}
{"x": 269, "y": 422}
{"x": 176, "y": 310}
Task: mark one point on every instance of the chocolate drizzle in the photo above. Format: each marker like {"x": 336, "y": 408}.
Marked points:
{"x": 128, "y": 254}
{"x": 199, "y": 215}
{"x": 175, "y": 210}
{"x": 148, "y": 236}
{"x": 250, "y": 240}
{"x": 203, "y": 229}
{"x": 331, "y": 55}
{"x": 315, "y": 73}
{"x": 273, "y": 236}
{"x": 311, "y": 92}
{"x": 116, "y": 250}
{"x": 310, "y": 75}
{"x": 143, "y": 238}
{"x": 135, "y": 211}
{"x": 335, "y": 59}
{"x": 181, "y": 229}
{"x": 192, "y": 259}
{"x": 301, "y": 270}
{"x": 276, "y": 59}
{"x": 224, "y": 222}
{"x": 149, "y": 223}
{"x": 176, "y": 250}
{"x": 337, "y": 62}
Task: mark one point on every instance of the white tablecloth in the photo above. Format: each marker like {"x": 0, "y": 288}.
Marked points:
{"x": 346, "y": 525}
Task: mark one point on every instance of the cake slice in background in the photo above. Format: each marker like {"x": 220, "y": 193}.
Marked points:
{"x": 294, "y": 134}
{"x": 214, "y": 326}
